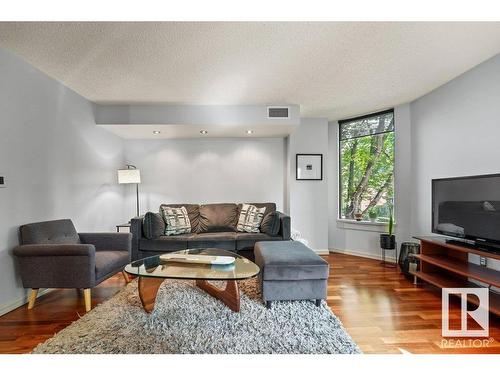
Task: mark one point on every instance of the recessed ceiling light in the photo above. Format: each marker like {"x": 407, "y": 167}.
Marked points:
{"x": 203, "y": 132}
{"x": 156, "y": 132}
{"x": 249, "y": 131}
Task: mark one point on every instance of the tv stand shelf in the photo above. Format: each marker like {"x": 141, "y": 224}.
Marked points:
{"x": 473, "y": 271}
{"x": 446, "y": 281}
{"x": 446, "y": 265}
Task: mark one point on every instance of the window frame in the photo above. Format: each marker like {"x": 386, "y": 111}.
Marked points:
{"x": 339, "y": 166}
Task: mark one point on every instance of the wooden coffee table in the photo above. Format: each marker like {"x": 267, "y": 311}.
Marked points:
{"x": 153, "y": 271}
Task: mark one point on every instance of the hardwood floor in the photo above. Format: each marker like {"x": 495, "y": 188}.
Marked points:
{"x": 22, "y": 329}
{"x": 382, "y": 311}
{"x": 385, "y": 313}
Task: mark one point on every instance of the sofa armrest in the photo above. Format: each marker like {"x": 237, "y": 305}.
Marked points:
{"x": 108, "y": 241}
{"x": 136, "y": 230}
{"x": 56, "y": 265}
{"x": 54, "y": 250}
{"x": 285, "y": 225}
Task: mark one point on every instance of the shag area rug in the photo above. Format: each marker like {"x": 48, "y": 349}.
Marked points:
{"x": 188, "y": 320}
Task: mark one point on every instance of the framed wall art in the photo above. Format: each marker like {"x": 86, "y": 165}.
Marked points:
{"x": 309, "y": 167}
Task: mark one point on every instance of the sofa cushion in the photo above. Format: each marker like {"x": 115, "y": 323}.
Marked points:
{"x": 166, "y": 243}
{"x": 49, "y": 232}
{"x": 109, "y": 262}
{"x": 221, "y": 240}
{"x": 153, "y": 225}
{"x": 176, "y": 220}
{"x": 193, "y": 211}
{"x": 289, "y": 260}
{"x": 271, "y": 224}
{"x": 250, "y": 218}
{"x": 218, "y": 217}
{"x": 246, "y": 241}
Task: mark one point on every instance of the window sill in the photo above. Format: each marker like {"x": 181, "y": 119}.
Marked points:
{"x": 367, "y": 226}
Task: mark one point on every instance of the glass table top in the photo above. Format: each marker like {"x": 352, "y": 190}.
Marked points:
{"x": 154, "y": 266}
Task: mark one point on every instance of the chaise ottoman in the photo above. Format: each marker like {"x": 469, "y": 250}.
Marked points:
{"x": 290, "y": 271}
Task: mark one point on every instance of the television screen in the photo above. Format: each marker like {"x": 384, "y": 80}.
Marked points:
{"x": 467, "y": 207}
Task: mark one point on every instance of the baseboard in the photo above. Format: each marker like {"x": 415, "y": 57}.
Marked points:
{"x": 12, "y": 305}
{"x": 363, "y": 255}
{"x": 322, "y": 251}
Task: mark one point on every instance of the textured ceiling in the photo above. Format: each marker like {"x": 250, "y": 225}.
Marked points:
{"x": 332, "y": 70}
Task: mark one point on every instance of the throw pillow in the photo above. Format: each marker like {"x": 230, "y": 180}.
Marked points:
{"x": 176, "y": 220}
{"x": 218, "y": 217}
{"x": 193, "y": 211}
{"x": 487, "y": 206}
{"x": 250, "y": 218}
{"x": 153, "y": 225}
{"x": 271, "y": 224}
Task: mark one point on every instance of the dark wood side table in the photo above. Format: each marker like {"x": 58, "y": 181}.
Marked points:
{"x": 126, "y": 225}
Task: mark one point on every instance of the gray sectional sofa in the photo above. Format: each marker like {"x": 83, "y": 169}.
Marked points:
{"x": 212, "y": 225}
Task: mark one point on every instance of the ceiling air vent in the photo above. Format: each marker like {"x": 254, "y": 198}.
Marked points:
{"x": 278, "y": 112}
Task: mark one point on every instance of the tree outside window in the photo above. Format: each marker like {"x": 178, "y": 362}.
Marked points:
{"x": 366, "y": 155}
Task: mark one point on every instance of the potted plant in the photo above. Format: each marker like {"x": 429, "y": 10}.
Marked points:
{"x": 388, "y": 240}
{"x": 358, "y": 215}
{"x": 373, "y": 214}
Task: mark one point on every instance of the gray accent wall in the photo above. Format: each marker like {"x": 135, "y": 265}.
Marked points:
{"x": 57, "y": 163}
{"x": 455, "y": 132}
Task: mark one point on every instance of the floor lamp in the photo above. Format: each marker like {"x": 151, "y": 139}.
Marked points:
{"x": 131, "y": 175}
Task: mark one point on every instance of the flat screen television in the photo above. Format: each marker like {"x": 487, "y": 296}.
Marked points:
{"x": 468, "y": 208}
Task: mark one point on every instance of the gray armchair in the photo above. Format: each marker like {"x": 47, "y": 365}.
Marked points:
{"x": 53, "y": 255}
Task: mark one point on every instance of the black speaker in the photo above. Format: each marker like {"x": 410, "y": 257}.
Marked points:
{"x": 405, "y": 258}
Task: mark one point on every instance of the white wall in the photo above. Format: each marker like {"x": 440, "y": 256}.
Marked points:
{"x": 336, "y": 234}
{"x": 455, "y": 132}
{"x": 363, "y": 239}
{"x": 308, "y": 199}
{"x": 56, "y": 162}
{"x": 207, "y": 171}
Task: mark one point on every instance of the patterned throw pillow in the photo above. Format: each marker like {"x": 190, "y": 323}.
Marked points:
{"x": 250, "y": 218}
{"x": 177, "y": 220}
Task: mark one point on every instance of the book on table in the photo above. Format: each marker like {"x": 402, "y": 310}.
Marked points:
{"x": 198, "y": 258}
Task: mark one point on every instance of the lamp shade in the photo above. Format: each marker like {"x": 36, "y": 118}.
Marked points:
{"x": 129, "y": 176}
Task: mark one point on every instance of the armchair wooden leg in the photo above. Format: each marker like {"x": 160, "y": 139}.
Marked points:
{"x": 32, "y": 298}
{"x": 88, "y": 299}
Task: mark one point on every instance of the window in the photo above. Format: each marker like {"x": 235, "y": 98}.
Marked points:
{"x": 366, "y": 166}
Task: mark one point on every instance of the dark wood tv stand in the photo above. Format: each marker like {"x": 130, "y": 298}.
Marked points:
{"x": 446, "y": 265}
